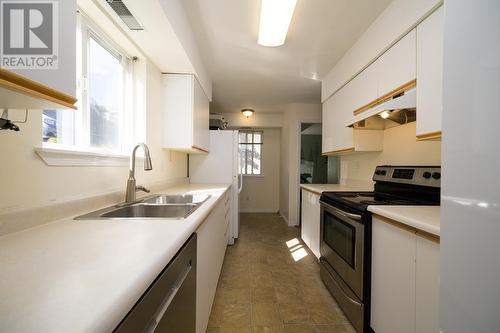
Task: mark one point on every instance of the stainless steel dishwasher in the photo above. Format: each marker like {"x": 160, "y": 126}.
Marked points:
{"x": 169, "y": 304}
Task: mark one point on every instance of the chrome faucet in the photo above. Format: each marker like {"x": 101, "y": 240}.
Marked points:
{"x": 131, "y": 185}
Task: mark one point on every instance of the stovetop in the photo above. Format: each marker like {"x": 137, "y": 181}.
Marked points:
{"x": 361, "y": 200}
{"x": 394, "y": 185}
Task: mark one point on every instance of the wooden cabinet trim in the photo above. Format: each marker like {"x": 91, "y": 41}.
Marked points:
{"x": 339, "y": 151}
{"x": 21, "y": 84}
{"x": 410, "y": 229}
{"x": 387, "y": 96}
{"x": 311, "y": 191}
{"x": 200, "y": 149}
{"x": 429, "y": 136}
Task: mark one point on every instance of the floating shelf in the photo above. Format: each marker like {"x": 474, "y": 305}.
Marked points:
{"x": 19, "y": 92}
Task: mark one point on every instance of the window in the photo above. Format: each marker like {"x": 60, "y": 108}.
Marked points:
{"x": 250, "y": 148}
{"x": 104, "y": 120}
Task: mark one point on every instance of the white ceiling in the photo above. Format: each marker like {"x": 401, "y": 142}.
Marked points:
{"x": 246, "y": 74}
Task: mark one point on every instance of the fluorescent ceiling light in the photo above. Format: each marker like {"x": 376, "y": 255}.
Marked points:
{"x": 275, "y": 17}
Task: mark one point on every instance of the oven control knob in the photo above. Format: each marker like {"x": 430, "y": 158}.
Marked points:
{"x": 383, "y": 172}
{"x": 436, "y": 175}
{"x": 378, "y": 172}
{"x": 427, "y": 175}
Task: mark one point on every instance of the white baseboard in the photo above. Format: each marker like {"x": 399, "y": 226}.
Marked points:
{"x": 257, "y": 211}
{"x": 283, "y": 217}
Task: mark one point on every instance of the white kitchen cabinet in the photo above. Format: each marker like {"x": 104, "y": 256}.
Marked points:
{"x": 337, "y": 138}
{"x": 212, "y": 242}
{"x": 363, "y": 89}
{"x": 185, "y": 114}
{"x": 430, "y": 75}
{"x": 311, "y": 215}
{"x": 427, "y": 285}
{"x": 405, "y": 279}
{"x": 397, "y": 66}
{"x": 393, "y": 278}
{"x": 62, "y": 75}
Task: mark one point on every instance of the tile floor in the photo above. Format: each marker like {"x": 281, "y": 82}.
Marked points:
{"x": 263, "y": 288}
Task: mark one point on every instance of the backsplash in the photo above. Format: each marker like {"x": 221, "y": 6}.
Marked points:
{"x": 400, "y": 148}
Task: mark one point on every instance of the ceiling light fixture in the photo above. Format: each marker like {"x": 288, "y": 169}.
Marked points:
{"x": 385, "y": 114}
{"x": 247, "y": 112}
{"x": 275, "y": 17}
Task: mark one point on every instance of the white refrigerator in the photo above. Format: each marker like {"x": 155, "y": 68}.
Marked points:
{"x": 221, "y": 165}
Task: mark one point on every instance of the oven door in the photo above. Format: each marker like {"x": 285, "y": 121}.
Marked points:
{"x": 342, "y": 245}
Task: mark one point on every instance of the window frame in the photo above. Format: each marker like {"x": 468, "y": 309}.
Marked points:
{"x": 87, "y": 30}
{"x": 244, "y": 160}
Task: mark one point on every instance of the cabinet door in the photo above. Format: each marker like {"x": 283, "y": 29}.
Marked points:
{"x": 365, "y": 86}
{"x": 209, "y": 252}
{"x": 393, "y": 278}
{"x": 305, "y": 232}
{"x": 201, "y": 115}
{"x": 430, "y": 73}
{"x": 398, "y": 64}
{"x": 311, "y": 221}
{"x": 427, "y": 286}
{"x": 328, "y": 121}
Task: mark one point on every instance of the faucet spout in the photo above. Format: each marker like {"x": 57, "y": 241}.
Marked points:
{"x": 130, "y": 195}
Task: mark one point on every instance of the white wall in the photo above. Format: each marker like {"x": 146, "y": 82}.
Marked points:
{"x": 400, "y": 148}
{"x": 261, "y": 120}
{"x": 293, "y": 115}
{"x": 27, "y": 182}
{"x": 260, "y": 194}
{"x": 396, "y": 20}
{"x": 470, "y": 212}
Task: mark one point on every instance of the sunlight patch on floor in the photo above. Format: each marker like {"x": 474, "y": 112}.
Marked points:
{"x": 296, "y": 249}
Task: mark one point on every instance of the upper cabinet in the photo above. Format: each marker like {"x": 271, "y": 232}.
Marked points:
{"x": 397, "y": 66}
{"x": 185, "y": 114}
{"x": 337, "y": 138}
{"x": 38, "y": 70}
{"x": 19, "y": 92}
{"x": 430, "y": 76}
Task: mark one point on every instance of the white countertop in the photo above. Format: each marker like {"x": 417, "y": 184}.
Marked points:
{"x": 349, "y": 187}
{"x": 84, "y": 276}
{"x": 425, "y": 218}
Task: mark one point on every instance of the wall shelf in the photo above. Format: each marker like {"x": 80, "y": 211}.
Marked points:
{"x": 19, "y": 92}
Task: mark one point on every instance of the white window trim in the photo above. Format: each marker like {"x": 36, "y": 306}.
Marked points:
{"x": 261, "y": 174}
{"x": 71, "y": 156}
{"x": 80, "y": 154}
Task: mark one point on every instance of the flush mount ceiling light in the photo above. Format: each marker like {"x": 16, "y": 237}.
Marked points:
{"x": 275, "y": 17}
{"x": 385, "y": 114}
{"x": 247, "y": 112}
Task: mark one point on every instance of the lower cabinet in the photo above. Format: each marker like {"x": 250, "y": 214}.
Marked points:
{"x": 311, "y": 215}
{"x": 405, "y": 279}
{"x": 212, "y": 242}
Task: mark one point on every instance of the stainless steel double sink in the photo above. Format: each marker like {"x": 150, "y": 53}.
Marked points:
{"x": 159, "y": 206}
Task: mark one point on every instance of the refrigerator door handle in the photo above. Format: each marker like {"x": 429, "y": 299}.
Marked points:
{"x": 241, "y": 182}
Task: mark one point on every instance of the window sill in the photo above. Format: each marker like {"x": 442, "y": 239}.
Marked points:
{"x": 254, "y": 176}
{"x": 55, "y": 156}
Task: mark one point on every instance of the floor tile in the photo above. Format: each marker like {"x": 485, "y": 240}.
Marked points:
{"x": 238, "y": 315}
{"x": 262, "y": 289}
{"x": 265, "y": 314}
{"x": 293, "y": 313}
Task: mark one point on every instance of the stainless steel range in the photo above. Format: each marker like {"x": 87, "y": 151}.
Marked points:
{"x": 346, "y": 232}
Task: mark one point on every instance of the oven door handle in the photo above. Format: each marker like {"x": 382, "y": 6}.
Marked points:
{"x": 356, "y": 217}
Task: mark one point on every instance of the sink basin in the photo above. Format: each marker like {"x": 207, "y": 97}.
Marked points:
{"x": 165, "y": 199}
{"x": 151, "y": 211}
{"x": 159, "y": 207}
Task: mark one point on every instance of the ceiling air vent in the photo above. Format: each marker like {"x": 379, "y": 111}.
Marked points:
{"x": 122, "y": 11}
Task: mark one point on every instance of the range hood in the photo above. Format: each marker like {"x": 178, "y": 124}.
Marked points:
{"x": 400, "y": 109}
